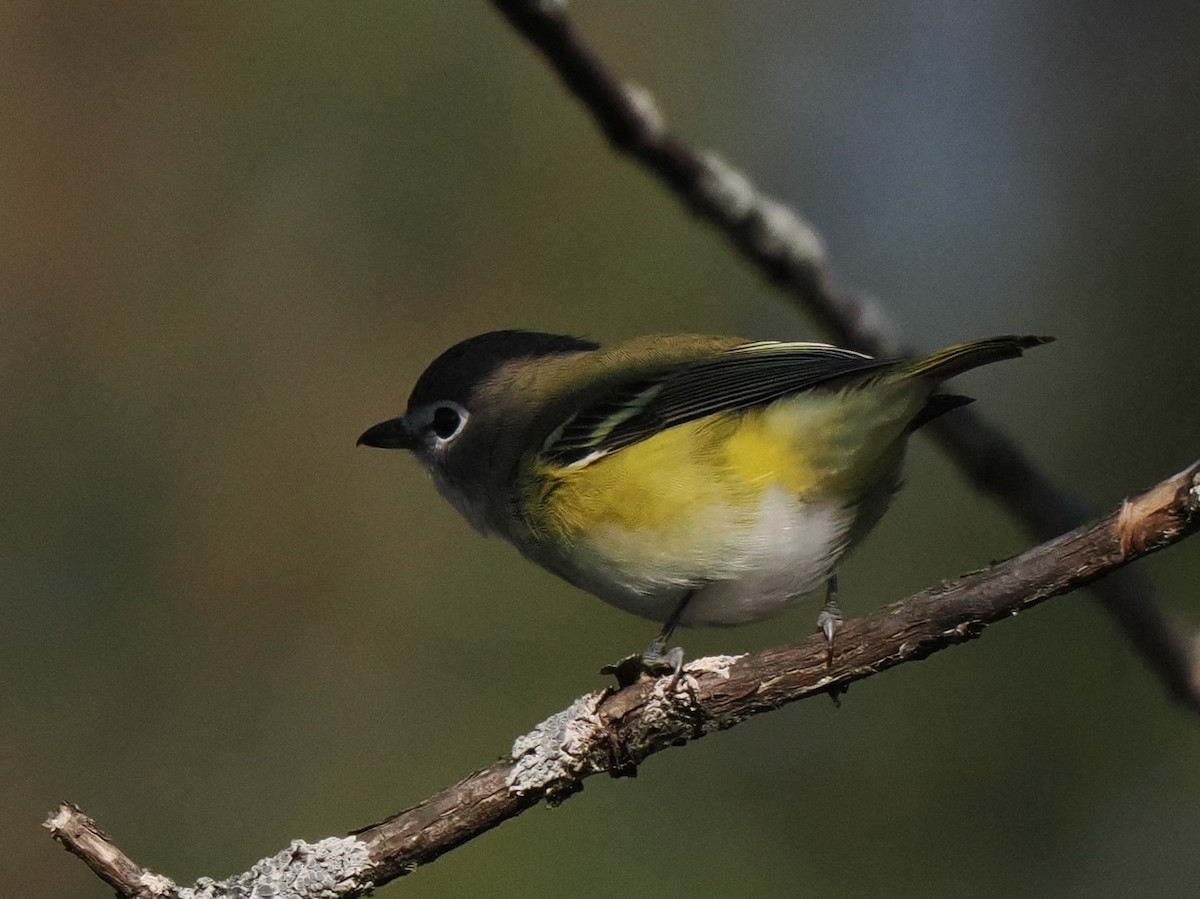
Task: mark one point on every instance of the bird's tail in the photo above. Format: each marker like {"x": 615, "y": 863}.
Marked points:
{"x": 954, "y": 360}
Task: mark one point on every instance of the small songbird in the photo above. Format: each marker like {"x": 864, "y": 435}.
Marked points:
{"x": 690, "y": 480}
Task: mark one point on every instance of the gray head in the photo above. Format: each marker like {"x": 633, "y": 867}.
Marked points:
{"x": 449, "y": 402}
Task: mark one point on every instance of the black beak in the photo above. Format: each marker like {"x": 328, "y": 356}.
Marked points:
{"x": 391, "y": 434}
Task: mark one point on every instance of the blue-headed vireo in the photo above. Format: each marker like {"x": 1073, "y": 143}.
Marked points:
{"x": 690, "y": 480}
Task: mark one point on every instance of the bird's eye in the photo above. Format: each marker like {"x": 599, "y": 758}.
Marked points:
{"x": 447, "y": 420}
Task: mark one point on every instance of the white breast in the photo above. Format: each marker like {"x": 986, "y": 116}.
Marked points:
{"x": 792, "y": 549}
{"x": 742, "y": 568}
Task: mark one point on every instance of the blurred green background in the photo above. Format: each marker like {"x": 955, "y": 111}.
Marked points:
{"x": 234, "y": 234}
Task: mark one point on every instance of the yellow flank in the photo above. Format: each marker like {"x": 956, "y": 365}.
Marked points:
{"x": 786, "y": 443}
{"x": 665, "y": 478}
{"x": 811, "y": 446}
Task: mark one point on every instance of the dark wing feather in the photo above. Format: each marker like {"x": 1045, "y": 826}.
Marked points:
{"x": 740, "y": 378}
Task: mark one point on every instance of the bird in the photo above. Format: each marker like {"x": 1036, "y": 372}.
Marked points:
{"x": 692, "y": 480}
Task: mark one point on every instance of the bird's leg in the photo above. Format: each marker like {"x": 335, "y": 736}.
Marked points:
{"x": 655, "y": 659}
{"x": 830, "y": 618}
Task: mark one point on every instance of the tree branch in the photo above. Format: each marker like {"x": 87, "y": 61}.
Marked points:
{"x": 611, "y": 731}
{"x": 789, "y": 252}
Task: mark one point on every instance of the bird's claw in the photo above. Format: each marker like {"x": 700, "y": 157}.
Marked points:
{"x": 828, "y": 621}
{"x": 653, "y": 661}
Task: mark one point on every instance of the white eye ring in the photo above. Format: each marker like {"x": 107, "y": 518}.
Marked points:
{"x": 446, "y": 421}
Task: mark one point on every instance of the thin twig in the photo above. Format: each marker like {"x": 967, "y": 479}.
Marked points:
{"x": 612, "y": 732}
{"x": 789, "y": 251}
{"x": 80, "y": 835}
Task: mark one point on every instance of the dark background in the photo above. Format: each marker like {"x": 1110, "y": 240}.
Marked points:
{"x": 232, "y": 236}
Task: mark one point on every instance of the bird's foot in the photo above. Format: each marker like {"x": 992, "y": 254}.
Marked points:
{"x": 828, "y": 622}
{"x": 653, "y": 661}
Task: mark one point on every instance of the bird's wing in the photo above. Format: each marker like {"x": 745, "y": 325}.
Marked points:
{"x": 738, "y": 378}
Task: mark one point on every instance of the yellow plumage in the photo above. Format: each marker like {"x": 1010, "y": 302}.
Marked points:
{"x": 811, "y": 447}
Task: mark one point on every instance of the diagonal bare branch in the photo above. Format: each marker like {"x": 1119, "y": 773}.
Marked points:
{"x": 789, "y": 251}
{"x": 609, "y": 731}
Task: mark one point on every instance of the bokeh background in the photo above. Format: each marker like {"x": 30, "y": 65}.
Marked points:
{"x": 232, "y": 236}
